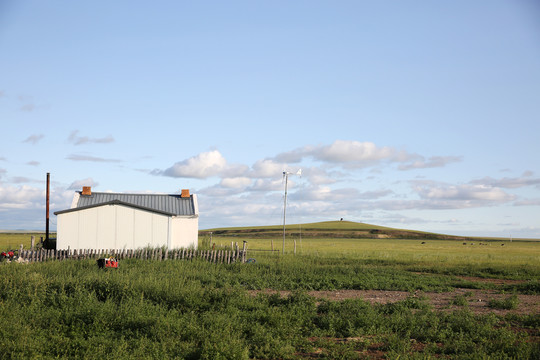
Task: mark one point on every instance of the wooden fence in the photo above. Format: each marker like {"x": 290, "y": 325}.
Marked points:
{"x": 160, "y": 254}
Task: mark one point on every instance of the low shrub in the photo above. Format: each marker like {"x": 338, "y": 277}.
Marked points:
{"x": 508, "y": 303}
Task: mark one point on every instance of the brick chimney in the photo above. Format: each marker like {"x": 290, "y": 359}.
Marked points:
{"x": 185, "y": 193}
{"x": 87, "y": 190}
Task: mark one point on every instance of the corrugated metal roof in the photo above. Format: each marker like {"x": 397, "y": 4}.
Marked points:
{"x": 173, "y": 204}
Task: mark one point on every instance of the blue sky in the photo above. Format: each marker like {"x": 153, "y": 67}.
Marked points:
{"x": 413, "y": 114}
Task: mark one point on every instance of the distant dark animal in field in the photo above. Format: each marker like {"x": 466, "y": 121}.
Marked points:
{"x": 423, "y": 242}
{"x": 502, "y": 244}
{"x": 464, "y": 243}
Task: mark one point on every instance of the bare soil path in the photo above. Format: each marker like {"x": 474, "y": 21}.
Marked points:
{"x": 477, "y": 300}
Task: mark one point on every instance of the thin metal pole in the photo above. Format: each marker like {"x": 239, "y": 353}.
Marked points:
{"x": 285, "y": 209}
{"x": 47, "y": 208}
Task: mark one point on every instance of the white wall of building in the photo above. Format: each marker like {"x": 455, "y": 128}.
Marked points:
{"x": 123, "y": 227}
{"x": 185, "y": 232}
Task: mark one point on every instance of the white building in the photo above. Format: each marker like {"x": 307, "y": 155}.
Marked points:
{"x": 128, "y": 221}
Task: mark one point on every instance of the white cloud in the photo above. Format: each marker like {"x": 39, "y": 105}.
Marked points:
{"x": 528, "y": 202}
{"x": 347, "y": 154}
{"x": 218, "y": 191}
{"x": 267, "y": 185}
{"x": 28, "y": 107}
{"x": 294, "y": 156}
{"x": 76, "y": 157}
{"x": 22, "y": 197}
{"x": 23, "y": 207}
{"x": 78, "y": 184}
{"x": 34, "y": 139}
{"x": 463, "y": 192}
{"x": 201, "y": 166}
{"x": 510, "y": 183}
{"x": 435, "y": 161}
{"x": 237, "y": 182}
{"x": 267, "y": 168}
{"x": 80, "y": 140}
{"x": 356, "y": 154}
{"x": 22, "y": 180}
{"x": 318, "y": 176}
{"x": 352, "y": 151}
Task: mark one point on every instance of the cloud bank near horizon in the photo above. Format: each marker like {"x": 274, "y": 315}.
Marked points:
{"x": 329, "y": 174}
{"x": 342, "y": 179}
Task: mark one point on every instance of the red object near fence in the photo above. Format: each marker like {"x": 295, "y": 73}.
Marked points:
{"x": 108, "y": 263}
{"x": 10, "y": 255}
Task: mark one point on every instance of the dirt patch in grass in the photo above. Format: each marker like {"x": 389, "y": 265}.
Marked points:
{"x": 491, "y": 281}
{"x": 476, "y": 300}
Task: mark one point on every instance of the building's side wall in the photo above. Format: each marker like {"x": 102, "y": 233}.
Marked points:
{"x": 102, "y": 226}
{"x": 125, "y": 226}
{"x": 112, "y": 227}
{"x": 67, "y": 230}
{"x": 185, "y": 232}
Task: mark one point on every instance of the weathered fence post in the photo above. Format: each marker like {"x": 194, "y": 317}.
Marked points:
{"x": 244, "y": 250}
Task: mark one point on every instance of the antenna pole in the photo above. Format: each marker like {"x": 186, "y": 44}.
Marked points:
{"x": 286, "y": 174}
{"x": 47, "y": 209}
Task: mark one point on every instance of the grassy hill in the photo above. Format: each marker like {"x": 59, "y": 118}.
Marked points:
{"x": 329, "y": 229}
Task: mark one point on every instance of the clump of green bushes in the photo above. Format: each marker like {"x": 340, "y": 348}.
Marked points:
{"x": 507, "y": 303}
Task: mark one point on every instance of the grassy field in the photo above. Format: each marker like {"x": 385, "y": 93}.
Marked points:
{"x": 512, "y": 258}
{"x": 9, "y": 241}
{"x": 198, "y": 310}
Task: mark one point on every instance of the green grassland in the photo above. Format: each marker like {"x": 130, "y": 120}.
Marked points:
{"x": 433, "y": 253}
{"x": 199, "y": 310}
{"x": 13, "y": 240}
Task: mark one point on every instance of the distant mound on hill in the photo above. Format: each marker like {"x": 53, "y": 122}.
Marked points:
{"x": 328, "y": 229}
